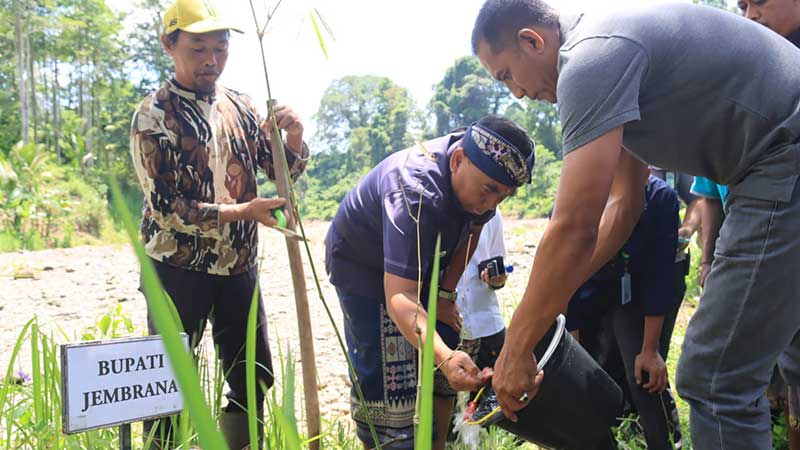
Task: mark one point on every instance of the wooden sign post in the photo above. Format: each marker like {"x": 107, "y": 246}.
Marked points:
{"x": 116, "y": 382}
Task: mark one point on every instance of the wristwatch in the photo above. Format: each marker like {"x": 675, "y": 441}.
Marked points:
{"x": 449, "y": 295}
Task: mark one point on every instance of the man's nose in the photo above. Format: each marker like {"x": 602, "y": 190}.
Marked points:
{"x": 751, "y": 13}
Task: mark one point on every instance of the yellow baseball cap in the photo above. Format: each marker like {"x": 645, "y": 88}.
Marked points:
{"x": 196, "y": 16}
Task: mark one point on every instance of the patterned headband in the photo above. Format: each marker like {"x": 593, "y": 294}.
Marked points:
{"x": 496, "y": 157}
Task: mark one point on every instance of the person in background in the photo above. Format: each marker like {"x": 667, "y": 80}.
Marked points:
{"x": 379, "y": 255}
{"x": 625, "y": 314}
{"x": 483, "y": 328}
{"x": 196, "y": 146}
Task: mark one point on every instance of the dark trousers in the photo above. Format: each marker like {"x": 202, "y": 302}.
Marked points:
{"x": 225, "y": 301}
{"x": 484, "y": 351}
{"x": 748, "y": 318}
{"x": 614, "y": 341}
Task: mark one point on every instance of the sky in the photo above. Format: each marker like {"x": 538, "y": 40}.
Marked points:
{"x": 412, "y": 42}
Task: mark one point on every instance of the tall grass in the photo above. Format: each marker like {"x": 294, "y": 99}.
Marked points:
{"x": 424, "y": 435}
{"x": 163, "y": 316}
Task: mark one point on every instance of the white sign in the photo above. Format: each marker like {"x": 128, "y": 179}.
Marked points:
{"x": 118, "y": 381}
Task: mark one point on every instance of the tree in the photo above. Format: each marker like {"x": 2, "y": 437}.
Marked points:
{"x": 150, "y": 59}
{"x": 721, "y": 4}
{"x": 366, "y": 117}
{"x": 541, "y": 121}
{"x": 465, "y": 94}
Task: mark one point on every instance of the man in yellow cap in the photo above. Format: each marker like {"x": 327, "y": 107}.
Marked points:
{"x": 196, "y": 146}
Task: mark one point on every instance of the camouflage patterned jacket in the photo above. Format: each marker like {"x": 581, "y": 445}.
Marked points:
{"x": 191, "y": 153}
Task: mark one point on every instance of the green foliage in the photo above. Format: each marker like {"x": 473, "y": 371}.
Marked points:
{"x": 721, "y": 4}
{"x": 537, "y": 198}
{"x": 465, "y": 94}
{"x": 47, "y": 205}
{"x": 110, "y": 325}
{"x": 325, "y": 184}
{"x": 148, "y": 57}
{"x": 366, "y": 117}
{"x": 541, "y": 121}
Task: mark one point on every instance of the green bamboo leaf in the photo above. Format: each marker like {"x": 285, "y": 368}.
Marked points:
{"x": 250, "y": 369}
{"x": 181, "y": 360}
{"x": 319, "y": 34}
{"x": 424, "y": 435}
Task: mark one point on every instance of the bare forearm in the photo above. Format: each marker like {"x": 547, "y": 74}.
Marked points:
{"x": 693, "y": 219}
{"x": 712, "y": 217}
{"x": 616, "y": 226}
{"x": 652, "y": 333}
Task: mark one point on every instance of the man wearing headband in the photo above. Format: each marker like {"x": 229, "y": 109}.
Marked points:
{"x": 643, "y": 84}
{"x": 380, "y": 245}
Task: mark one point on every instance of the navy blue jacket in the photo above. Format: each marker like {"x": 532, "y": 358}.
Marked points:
{"x": 651, "y": 248}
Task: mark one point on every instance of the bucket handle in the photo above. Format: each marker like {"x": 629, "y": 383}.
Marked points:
{"x": 561, "y": 323}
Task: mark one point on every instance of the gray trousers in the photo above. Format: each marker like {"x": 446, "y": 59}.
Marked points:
{"x": 748, "y": 319}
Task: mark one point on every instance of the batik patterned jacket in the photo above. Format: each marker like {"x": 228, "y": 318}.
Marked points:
{"x": 192, "y": 152}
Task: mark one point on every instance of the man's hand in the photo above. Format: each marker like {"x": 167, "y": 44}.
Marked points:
{"x": 260, "y": 209}
{"x": 515, "y": 374}
{"x": 653, "y": 364}
{"x": 288, "y": 120}
{"x": 447, "y": 312}
{"x": 705, "y": 269}
{"x": 495, "y": 282}
{"x": 463, "y": 374}
{"x": 684, "y": 238}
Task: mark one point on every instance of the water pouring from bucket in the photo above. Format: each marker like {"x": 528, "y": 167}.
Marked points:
{"x": 575, "y": 408}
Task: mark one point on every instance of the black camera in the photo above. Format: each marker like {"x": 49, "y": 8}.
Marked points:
{"x": 495, "y": 266}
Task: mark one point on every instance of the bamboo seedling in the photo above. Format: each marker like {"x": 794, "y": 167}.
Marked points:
{"x": 284, "y": 184}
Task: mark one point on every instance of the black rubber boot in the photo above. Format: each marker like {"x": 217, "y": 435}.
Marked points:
{"x": 234, "y": 427}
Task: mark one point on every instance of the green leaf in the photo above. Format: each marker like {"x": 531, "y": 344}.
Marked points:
{"x": 181, "y": 360}
{"x": 424, "y": 435}
{"x": 319, "y": 34}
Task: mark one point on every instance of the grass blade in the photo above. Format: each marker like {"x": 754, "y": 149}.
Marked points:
{"x": 424, "y": 435}
{"x": 181, "y": 360}
{"x": 286, "y": 418}
{"x": 7, "y": 383}
{"x": 250, "y": 369}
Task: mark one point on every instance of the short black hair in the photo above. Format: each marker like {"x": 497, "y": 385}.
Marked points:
{"x": 510, "y": 131}
{"x": 173, "y": 37}
{"x": 499, "y": 20}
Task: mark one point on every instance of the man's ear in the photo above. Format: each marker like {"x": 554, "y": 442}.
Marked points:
{"x": 168, "y": 47}
{"x": 457, "y": 159}
{"x": 530, "y": 41}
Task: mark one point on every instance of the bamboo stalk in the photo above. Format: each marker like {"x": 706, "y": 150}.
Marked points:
{"x": 305, "y": 334}
{"x": 307, "y": 356}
